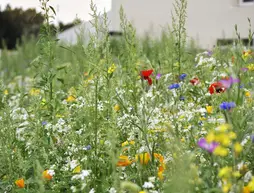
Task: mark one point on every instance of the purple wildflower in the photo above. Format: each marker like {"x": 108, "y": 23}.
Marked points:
{"x": 252, "y": 138}
{"x": 227, "y": 83}
{"x": 210, "y": 147}
{"x": 44, "y": 123}
{"x": 244, "y": 69}
{"x": 174, "y": 86}
{"x": 227, "y": 105}
{"x": 209, "y": 53}
{"x": 158, "y": 76}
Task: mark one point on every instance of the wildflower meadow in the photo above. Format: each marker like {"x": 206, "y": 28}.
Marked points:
{"x": 126, "y": 114}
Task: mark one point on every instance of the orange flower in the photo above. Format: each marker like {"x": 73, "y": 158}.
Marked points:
{"x": 159, "y": 157}
{"x": 20, "y": 183}
{"x": 246, "y": 189}
{"x": 124, "y": 161}
{"x": 46, "y": 175}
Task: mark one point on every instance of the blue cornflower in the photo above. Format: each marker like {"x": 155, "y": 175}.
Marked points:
{"x": 44, "y": 123}
{"x": 174, "y": 86}
{"x": 227, "y": 105}
{"x": 182, "y": 76}
{"x": 252, "y": 138}
{"x": 88, "y": 147}
{"x": 182, "y": 98}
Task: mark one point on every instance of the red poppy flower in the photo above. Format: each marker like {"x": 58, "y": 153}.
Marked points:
{"x": 145, "y": 74}
{"x": 194, "y": 81}
{"x": 216, "y": 87}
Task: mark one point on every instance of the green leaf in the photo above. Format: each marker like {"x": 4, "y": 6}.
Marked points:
{"x": 52, "y": 9}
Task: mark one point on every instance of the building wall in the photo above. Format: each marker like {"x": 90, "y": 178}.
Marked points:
{"x": 208, "y": 20}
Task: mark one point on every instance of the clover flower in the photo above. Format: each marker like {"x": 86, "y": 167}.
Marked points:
{"x": 174, "y": 86}
{"x": 227, "y": 105}
{"x": 158, "y": 76}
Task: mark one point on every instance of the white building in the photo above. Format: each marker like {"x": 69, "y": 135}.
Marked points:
{"x": 208, "y": 20}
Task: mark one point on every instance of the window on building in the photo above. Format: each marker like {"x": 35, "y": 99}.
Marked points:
{"x": 246, "y": 2}
{"x": 230, "y": 42}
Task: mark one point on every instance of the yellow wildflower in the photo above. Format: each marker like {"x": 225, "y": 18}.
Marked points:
{"x": 70, "y": 98}
{"x": 232, "y": 135}
{"x": 223, "y": 127}
{"x": 143, "y": 158}
{"x": 128, "y": 143}
{"x": 225, "y": 172}
{"x": 251, "y": 185}
{"x": 116, "y": 108}
{"x": 251, "y": 67}
{"x": 246, "y": 189}
{"x": 209, "y": 109}
{"x": 77, "y": 169}
{"x": 6, "y": 92}
{"x": 202, "y": 118}
{"x": 247, "y": 94}
{"x": 226, "y": 188}
{"x": 220, "y": 151}
{"x": 34, "y": 92}
{"x": 223, "y": 138}
{"x": 46, "y": 175}
{"x": 246, "y": 54}
{"x": 210, "y": 137}
{"x": 236, "y": 174}
{"x": 111, "y": 69}
{"x": 238, "y": 147}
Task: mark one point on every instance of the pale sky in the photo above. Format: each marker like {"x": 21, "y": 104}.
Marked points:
{"x": 67, "y": 10}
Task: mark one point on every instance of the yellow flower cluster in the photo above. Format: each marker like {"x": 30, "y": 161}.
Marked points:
{"x": 251, "y": 67}
{"x": 224, "y": 136}
{"x": 250, "y": 187}
{"x": 112, "y": 68}
{"x": 246, "y": 55}
{"x": 128, "y": 143}
{"x": 34, "y": 92}
{"x": 226, "y": 174}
